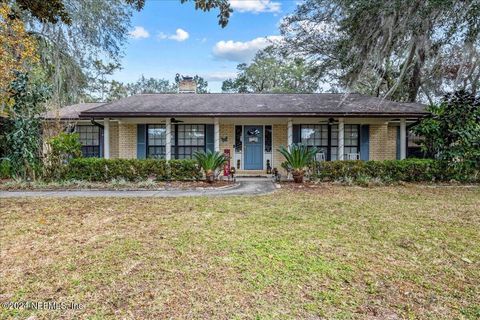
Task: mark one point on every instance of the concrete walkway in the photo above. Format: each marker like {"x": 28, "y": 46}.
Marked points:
{"x": 243, "y": 188}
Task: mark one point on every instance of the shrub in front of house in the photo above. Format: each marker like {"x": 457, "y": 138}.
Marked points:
{"x": 409, "y": 170}
{"x": 298, "y": 157}
{"x": 61, "y": 149}
{"x": 184, "y": 170}
{"x": 209, "y": 162}
{"x": 5, "y": 169}
{"x": 104, "y": 170}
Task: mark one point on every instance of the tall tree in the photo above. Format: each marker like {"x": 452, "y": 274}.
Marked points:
{"x": 75, "y": 34}
{"x": 116, "y": 91}
{"x": 145, "y": 85}
{"x": 22, "y": 129}
{"x": 202, "y": 84}
{"x": 150, "y": 85}
{"x": 53, "y": 11}
{"x": 271, "y": 72}
{"x": 393, "y": 48}
{"x": 17, "y": 53}
{"x": 98, "y": 82}
{"x": 70, "y": 51}
{"x": 452, "y": 131}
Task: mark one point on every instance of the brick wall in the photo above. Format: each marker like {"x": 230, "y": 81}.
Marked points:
{"x": 279, "y": 138}
{"x": 127, "y": 135}
{"x": 113, "y": 140}
{"x": 382, "y": 142}
{"x": 391, "y": 153}
{"x": 228, "y": 131}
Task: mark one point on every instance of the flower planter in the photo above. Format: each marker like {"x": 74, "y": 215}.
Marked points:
{"x": 210, "y": 177}
{"x": 298, "y": 176}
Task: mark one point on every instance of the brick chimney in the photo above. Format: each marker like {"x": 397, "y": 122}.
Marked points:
{"x": 187, "y": 85}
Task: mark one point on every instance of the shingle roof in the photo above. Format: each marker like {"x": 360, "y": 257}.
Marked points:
{"x": 70, "y": 112}
{"x": 218, "y": 104}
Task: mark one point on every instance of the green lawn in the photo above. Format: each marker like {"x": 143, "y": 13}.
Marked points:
{"x": 330, "y": 251}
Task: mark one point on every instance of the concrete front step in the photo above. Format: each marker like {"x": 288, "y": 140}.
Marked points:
{"x": 252, "y": 173}
{"x": 253, "y": 179}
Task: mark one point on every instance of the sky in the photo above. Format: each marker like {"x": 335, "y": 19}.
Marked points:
{"x": 168, "y": 37}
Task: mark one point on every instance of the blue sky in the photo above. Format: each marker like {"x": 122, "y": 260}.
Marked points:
{"x": 168, "y": 38}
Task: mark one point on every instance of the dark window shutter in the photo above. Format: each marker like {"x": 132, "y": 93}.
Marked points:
{"x": 210, "y": 137}
{"x": 101, "y": 142}
{"x": 297, "y": 134}
{"x": 141, "y": 141}
{"x": 365, "y": 142}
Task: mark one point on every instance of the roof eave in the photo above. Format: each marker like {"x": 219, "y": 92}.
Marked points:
{"x": 84, "y": 115}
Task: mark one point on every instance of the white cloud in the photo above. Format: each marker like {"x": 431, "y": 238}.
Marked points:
{"x": 255, "y": 6}
{"x": 180, "y": 35}
{"x": 219, "y": 75}
{"x": 242, "y": 51}
{"x": 139, "y": 32}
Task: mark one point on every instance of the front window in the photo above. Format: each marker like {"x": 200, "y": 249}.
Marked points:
{"x": 414, "y": 146}
{"x": 325, "y": 138}
{"x": 156, "y": 140}
{"x": 238, "y": 138}
{"x": 333, "y": 142}
{"x": 89, "y": 136}
{"x": 315, "y": 135}
{"x": 268, "y": 139}
{"x": 187, "y": 139}
{"x": 351, "y": 139}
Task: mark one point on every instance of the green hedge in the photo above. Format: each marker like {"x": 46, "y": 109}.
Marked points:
{"x": 98, "y": 169}
{"x": 5, "y": 169}
{"x": 409, "y": 170}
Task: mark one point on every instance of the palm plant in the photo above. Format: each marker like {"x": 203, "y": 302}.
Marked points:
{"x": 210, "y": 161}
{"x": 298, "y": 157}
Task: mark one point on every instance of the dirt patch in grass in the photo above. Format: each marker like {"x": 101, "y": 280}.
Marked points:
{"x": 330, "y": 252}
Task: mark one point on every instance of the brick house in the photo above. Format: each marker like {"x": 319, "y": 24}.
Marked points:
{"x": 248, "y": 127}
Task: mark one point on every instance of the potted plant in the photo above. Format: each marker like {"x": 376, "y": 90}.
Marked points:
{"x": 210, "y": 161}
{"x": 298, "y": 157}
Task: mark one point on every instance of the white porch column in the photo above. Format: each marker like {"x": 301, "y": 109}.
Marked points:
{"x": 168, "y": 139}
{"x": 341, "y": 129}
{"x": 106, "y": 138}
{"x": 216, "y": 130}
{"x": 290, "y": 132}
{"x": 403, "y": 139}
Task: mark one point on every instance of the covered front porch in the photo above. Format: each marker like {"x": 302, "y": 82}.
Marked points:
{"x": 252, "y": 142}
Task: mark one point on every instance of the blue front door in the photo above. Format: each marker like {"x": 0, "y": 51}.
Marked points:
{"x": 253, "y": 137}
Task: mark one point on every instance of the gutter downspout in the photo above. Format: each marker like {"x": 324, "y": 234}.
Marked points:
{"x": 95, "y": 123}
{"x": 101, "y": 126}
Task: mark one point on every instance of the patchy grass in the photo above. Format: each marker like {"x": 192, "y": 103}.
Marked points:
{"x": 116, "y": 184}
{"x": 333, "y": 252}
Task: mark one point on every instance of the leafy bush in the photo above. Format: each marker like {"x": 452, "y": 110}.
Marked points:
{"x": 298, "y": 157}
{"x": 184, "y": 170}
{"x": 210, "y": 161}
{"x": 62, "y": 148}
{"x": 99, "y": 169}
{"x": 5, "y": 169}
{"x": 66, "y": 145}
{"x": 22, "y": 126}
{"x": 452, "y": 131}
{"x": 409, "y": 170}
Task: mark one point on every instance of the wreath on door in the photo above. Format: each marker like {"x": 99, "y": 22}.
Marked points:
{"x": 253, "y": 132}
